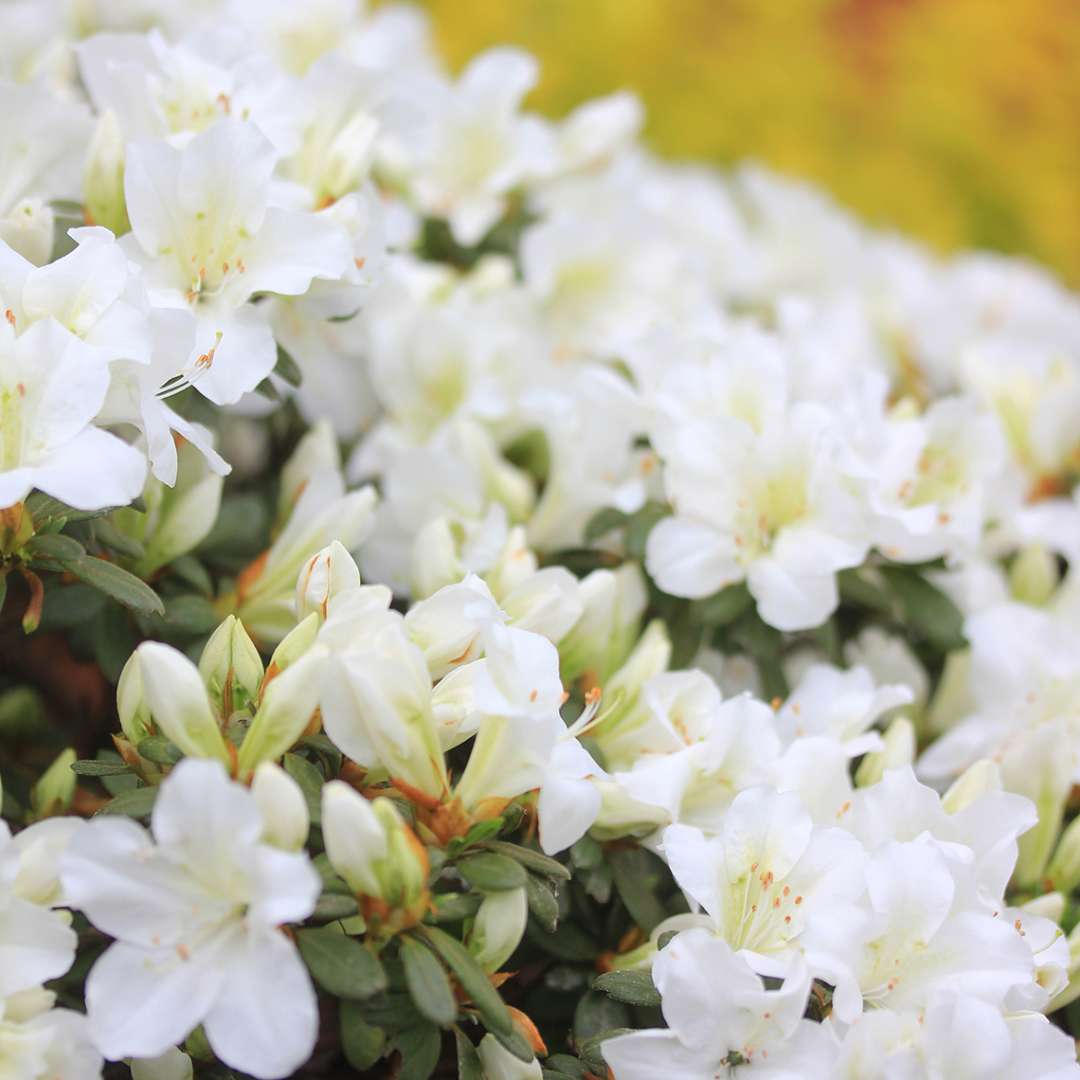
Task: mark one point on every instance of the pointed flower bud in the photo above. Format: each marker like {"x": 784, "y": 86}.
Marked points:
{"x": 178, "y": 701}
{"x": 899, "y": 749}
{"x": 282, "y": 806}
{"x": 231, "y": 667}
{"x": 286, "y": 709}
{"x": 103, "y": 179}
{"x": 1034, "y": 575}
{"x": 135, "y": 719}
{"x": 53, "y": 792}
{"x": 324, "y": 575}
{"x": 601, "y": 639}
{"x": 498, "y": 928}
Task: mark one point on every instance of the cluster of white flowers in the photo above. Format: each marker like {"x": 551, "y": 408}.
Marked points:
{"x": 527, "y": 346}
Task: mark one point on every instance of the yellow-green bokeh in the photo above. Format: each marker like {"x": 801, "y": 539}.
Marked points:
{"x": 954, "y": 120}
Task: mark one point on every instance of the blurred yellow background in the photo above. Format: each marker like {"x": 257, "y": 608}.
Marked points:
{"x": 954, "y": 120}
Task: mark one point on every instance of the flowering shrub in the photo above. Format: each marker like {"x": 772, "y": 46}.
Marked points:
{"x": 566, "y": 613}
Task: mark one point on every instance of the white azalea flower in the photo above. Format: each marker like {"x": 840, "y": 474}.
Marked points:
{"x": 195, "y": 910}
{"x": 208, "y": 239}
{"x": 51, "y": 388}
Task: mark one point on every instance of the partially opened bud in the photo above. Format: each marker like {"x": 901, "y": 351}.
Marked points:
{"x": 288, "y": 704}
{"x": 324, "y": 575}
{"x": 178, "y": 703}
{"x": 282, "y": 805}
{"x": 899, "y": 749}
{"x": 103, "y": 179}
{"x": 498, "y": 928}
{"x": 436, "y": 558}
{"x": 231, "y": 667}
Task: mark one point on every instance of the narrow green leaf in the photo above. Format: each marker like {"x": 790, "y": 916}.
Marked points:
{"x": 602, "y": 522}
{"x": 490, "y": 872}
{"x": 191, "y": 571}
{"x": 361, "y": 1042}
{"x": 191, "y": 615}
{"x": 339, "y": 964}
{"x": 108, "y": 535}
{"x": 88, "y": 767}
{"x": 332, "y": 906}
{"x": 117, "y": 583}
{"x": 631, "y": 987}
{"x": 55, "y": 547}
{"x": 427, "y": 983}
{"x": 455, "y": 907}
{"x": 596, "y": 1014}
{"x": 310, "y": 781}
{"x": 287, "y": 368}
{"x": 137, "y": 803}
{"x": 926, "y": 608}
{"x": 542, "y": 903}
{"x": 473, "y": 979}
{"x": 420, "y": 1047}
{"x": 640, "y": 525}
{"x": 638, "y": 874}
{"x": 532, "y": 860}
{"x": 723, "y": 607}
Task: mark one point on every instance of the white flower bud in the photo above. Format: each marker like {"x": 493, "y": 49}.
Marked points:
{"x": 1034, "y": 575}
{"x": 178, "y": 703}
{"x": 436, "y": 560}
{"x": 231, "y": 667}
{"x": 899, "y": 749}
{"x": 294, "y": 644}
{"x": 282, "y": 805}
{"x": 53, "y": 792}
{"x": 288, "y": 704}
{"x": 498, "y": 928}
{"x": 103, "y": 178}
{"x": 355, "y": 838}
{"x": 1064, "y": 869}
{"x": 977, "y": 780}
{"x": 135, "y": 719}
{"x": 613, "y": 602}
{"x": 499, "y": 1064}
{"x": 324, "y": 575}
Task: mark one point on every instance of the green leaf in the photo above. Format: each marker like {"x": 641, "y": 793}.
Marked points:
{"x": 161, "y": 751}
{"x": 113, "y": 640}
{"x": 586, "y": 853}
{"x": 532, "y": 860}
{"x": 926, "y": 608}
{"x": 287, "y": 368}
{"x": 571, "y": 1066}
{"x": 630, "y": 987}
{"x": 191, "y": 615}
{"x": 468, "y": 1059}
{"x": 137, "y": 803}
{"x": 361, "y": 1042}
{"x": 638, "y": 875}
{"x": 108, "y": 535}
{"x": 590, "y": 1050}
{"x": 427, "y": 983}
{"x": 723, "y": 607}
{"x": 490, "y": 872}
{"x": 119, "y": 584}
{"x": 332, "y": 906}
{"x": 604, "y": 521}
{"x": 191, "y": 571}
{"x": 55, "y": 547}
{"x": 596, "y": 1014}
{"x": 420, "y": 1047}
{"x": 542, "y": 903}
{"x": 339, "y": 964}
{"x": 88, "y": 767}
{"x": 568, "y": 942}
{"x": 455, "y": 907}
{"x": 640, "y": 525}
{"x": 310, "y": 781}
{"x": 67, "y": 606}
{"x": 473, "y": 979}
